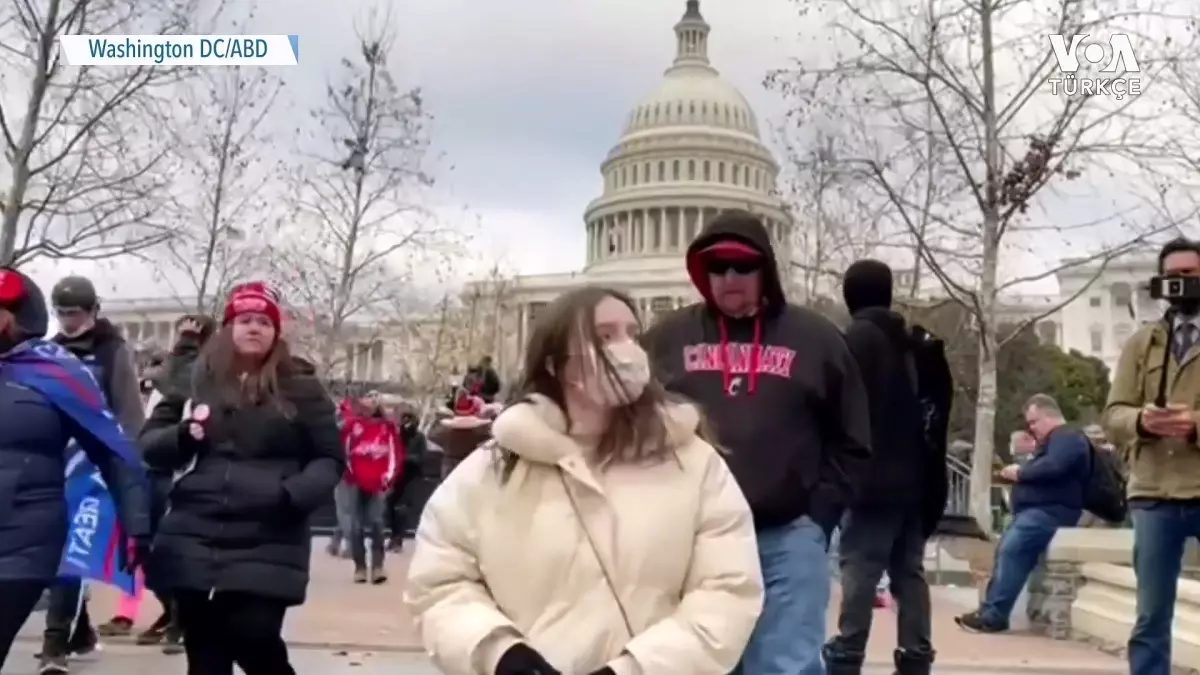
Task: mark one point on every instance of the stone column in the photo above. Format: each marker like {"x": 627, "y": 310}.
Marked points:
{"x": 677, "y": 226}
{"x": 661, "y": 230}
{"x": 1051, "y": 594}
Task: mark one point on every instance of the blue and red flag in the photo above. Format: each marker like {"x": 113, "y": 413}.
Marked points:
{"x": 96, "y": 545}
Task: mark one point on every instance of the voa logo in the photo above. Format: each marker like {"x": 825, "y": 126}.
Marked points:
{"x": 1113, "y": 68}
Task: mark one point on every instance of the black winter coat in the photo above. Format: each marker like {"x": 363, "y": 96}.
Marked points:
{"x": 900, "y": 467}
{"x": 237, "y": 516}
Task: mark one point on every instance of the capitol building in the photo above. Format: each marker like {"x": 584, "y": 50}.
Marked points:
{"x": 688, "y": 150}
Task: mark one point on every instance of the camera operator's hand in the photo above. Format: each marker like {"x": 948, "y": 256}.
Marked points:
{"x": 1174, "y": 421}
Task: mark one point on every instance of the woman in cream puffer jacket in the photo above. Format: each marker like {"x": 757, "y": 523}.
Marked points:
{"x": 619, "y": 568}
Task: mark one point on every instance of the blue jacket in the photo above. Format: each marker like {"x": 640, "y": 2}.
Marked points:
{"x": 1053, "y": 478}
{"x": 33, "y": 510}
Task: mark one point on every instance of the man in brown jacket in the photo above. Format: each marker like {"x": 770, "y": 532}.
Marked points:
{"x": 1163, "y": 457}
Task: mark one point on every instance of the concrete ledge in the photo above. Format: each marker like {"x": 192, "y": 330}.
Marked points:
{"x": 1105, "y": 608}
{"x": 1104, "y": 545}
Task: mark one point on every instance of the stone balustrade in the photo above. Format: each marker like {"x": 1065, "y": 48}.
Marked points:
{"x": 1088, "y": 591}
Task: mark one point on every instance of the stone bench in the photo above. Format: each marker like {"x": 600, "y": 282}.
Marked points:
{"x": 1088, "y": 591}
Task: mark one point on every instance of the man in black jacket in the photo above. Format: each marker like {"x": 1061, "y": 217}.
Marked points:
{"x": 96, "y": 342}
{"x": 415, "y": 448}
{"x": 891, "y": 516}
{"x": 785, "y": 397}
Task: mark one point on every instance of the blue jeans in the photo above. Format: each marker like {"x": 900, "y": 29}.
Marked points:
{"x": 1021, "y": 545}
{"x": 366, "y": 521}
{"x": 1160, "y": 532}
{"x": 790, "y": 632}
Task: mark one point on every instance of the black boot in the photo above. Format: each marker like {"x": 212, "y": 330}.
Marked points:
{"x": 838, "y": 661}
{"x": 913, "y": 663}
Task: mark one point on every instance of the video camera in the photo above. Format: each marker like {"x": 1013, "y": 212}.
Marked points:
{"x": 1175, "y": 288}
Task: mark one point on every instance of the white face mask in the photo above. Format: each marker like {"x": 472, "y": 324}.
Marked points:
{"x": 632, "y": 368}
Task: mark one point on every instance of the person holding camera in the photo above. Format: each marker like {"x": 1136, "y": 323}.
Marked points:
{"x": 1152, "y": 410}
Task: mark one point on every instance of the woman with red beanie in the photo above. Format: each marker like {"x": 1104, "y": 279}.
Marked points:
{"x": 255, "y": 450}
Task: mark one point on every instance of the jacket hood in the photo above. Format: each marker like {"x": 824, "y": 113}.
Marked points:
{"x": 892, "y": 324}
{"x": 536, "y": 429}
{"x": 746, "y": 228}
{"x": 105, "y": 330}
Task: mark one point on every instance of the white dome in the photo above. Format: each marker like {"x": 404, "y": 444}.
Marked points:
{"x": 693, "y": 96}
{"x": 688, "y": 151}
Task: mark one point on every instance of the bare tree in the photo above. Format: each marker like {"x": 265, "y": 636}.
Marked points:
{"x": 226, "y": 205}
{"x": 86, "y": 158}
{"x": 439, "y": 347}
{"x": 1185, "y": 117}
{"x": 835, "y": 226}
{"x": 362, "y": 228}
{"x": 975, "y": 141}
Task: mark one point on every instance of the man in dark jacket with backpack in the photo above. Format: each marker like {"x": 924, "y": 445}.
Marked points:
{"x": 96, "y": 342}
{"x": 900, "y": 497}
{"x": 1049, "y": 491}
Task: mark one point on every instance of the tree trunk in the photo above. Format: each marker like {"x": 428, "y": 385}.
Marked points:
{"x": 985, "y": 433}
{"x": 985, "y": 403}
{"x": 21, "y": 171}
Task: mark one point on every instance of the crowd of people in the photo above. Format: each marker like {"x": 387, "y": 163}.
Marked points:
{"x": 647, "y": 499}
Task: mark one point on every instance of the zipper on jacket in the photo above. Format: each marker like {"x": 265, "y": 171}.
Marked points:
{"x": 221, "y": 527}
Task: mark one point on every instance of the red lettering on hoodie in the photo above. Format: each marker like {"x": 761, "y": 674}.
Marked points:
{"x": 738, "y": 359}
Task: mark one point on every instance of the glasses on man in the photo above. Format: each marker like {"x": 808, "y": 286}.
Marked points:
{"x": 721, "y": 267}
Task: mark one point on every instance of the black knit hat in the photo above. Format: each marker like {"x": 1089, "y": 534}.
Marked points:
{"x": 867, "y": 283}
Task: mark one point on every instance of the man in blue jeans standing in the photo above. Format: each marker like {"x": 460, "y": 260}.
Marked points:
{"x": 785, "y": 397}
{"x": 1047, "y": 494}
{"x": 1163, "y": 460}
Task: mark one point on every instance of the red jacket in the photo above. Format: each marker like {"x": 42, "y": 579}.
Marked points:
{"x": 374, "y": 452}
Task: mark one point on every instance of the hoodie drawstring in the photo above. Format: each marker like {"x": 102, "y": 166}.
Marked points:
{"x": 755, "y": 356}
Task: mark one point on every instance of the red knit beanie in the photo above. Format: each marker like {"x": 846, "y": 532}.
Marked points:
{"x": 254, "y": 297}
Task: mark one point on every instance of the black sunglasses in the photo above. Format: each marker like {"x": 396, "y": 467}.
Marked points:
{"x": 720, "y": 267}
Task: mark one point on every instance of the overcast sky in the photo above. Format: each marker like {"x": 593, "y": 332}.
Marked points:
{"x": 528, "y": 96}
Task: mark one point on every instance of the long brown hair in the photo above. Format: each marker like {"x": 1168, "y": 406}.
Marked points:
{"x": 637, "y": 432}
{"x": 218, "y": 367}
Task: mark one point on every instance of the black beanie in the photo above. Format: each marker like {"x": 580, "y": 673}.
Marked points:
{"x": 867, "y": 283}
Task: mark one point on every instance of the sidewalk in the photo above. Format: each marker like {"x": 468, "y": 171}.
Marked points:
{"x": 341, "y": 615}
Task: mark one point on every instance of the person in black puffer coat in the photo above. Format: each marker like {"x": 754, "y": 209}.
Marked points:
{"x": 255, "y": 449}
{"x": 173, "y": 376}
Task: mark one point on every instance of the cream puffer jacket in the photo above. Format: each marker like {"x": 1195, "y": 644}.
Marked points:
{"x": 502, "y": 561}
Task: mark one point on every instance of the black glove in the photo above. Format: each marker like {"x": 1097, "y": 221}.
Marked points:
{"x": 604, "y": 671}
{"x": 521, "y": 659}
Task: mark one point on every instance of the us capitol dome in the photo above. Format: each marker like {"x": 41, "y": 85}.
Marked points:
{"x": 689, "y": 150}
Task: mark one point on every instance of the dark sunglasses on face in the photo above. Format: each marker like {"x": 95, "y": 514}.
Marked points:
{"x": 69, "y": 311}
{"x": 720, "y": 267}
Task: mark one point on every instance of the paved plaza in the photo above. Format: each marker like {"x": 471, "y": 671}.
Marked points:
{"x": 365, "y": 629}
